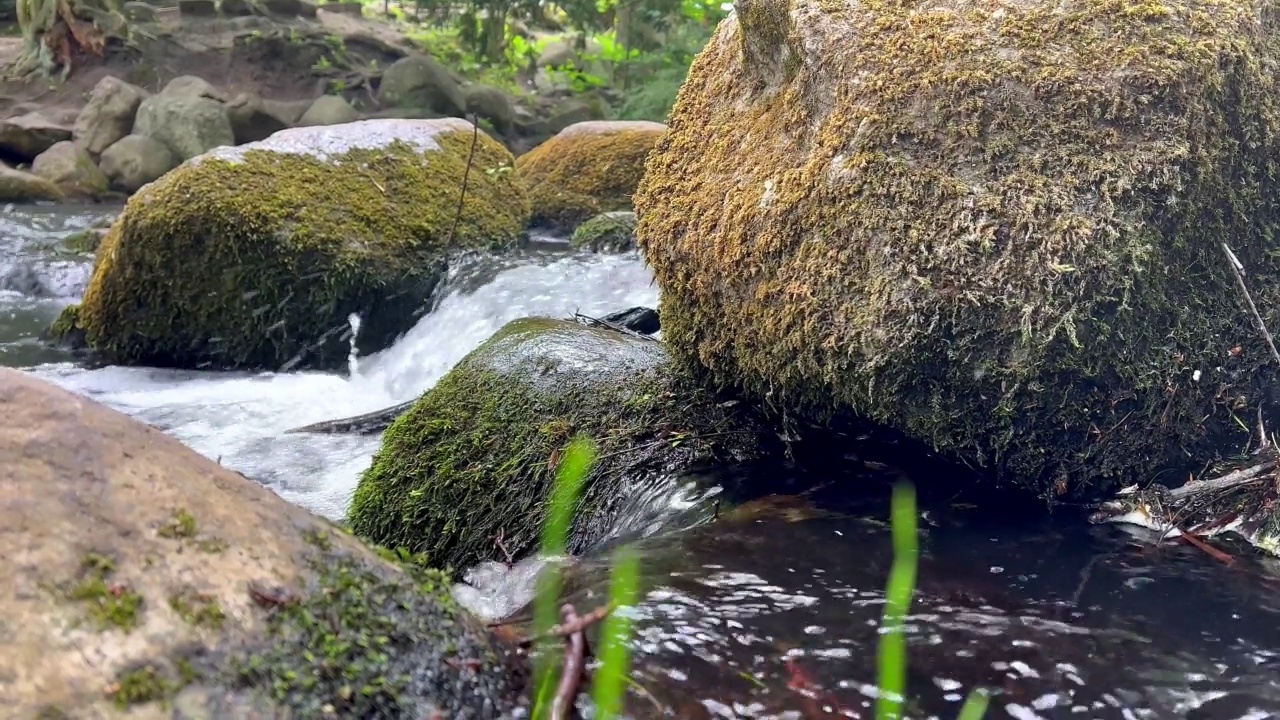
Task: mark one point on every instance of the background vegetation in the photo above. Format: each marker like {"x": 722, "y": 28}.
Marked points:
{"x": 635, "y": 53}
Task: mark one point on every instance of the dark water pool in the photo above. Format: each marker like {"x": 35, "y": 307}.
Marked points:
{"x": 773, "y": 610}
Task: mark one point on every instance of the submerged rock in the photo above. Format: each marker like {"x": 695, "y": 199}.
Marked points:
{"x": 256, "y": 256}
{"x": 147, "y": 579}
{"x": 586, "y": 169}
{"x": 1013, "y": 254}
{"x": 474, "y": 460}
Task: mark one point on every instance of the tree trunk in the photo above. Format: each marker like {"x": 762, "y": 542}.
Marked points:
{"x": 54, "y": 32}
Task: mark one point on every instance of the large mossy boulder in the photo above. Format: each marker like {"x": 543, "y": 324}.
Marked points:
{"x": 144, "y": 580}
{"x": 474, "y": 460}
{"x": 256, "y": 256}
{"x": 994, "y": 226}
{"x": 586, "y": 169}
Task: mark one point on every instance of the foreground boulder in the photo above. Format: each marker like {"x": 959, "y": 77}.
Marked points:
{"x": 475, "y": 458}
{"x": 144, "y": 578}
{"x": 1014, "y": 255}
{"x": 586, "y": 169}
{"x": 256, "y": 256}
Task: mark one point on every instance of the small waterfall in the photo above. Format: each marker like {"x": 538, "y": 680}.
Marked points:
{"x": 353, "y": 358}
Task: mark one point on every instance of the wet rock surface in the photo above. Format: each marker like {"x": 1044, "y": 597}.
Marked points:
{"x": 143, "y": 574}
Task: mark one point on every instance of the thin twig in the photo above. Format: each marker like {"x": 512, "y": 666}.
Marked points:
{"x": 577, "y": 625}
{"x": 1238, "y": 269}
{"x": 575, "y": 656}
{"x": 466, "y": 175}
{"x": 498, "y": 541}
{"x": 1211, "y": 551}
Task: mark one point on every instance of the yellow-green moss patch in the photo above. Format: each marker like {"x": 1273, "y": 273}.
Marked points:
{"x": 994, "y": 226}
{"x": 465, "y": 474}
{"x": 255, "y": 257}
{"x": 108, "y": 604}
{"x": 198, "y": 609}
{"x": 587, "y": 169}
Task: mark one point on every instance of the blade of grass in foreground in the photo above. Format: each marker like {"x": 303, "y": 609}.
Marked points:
{"x": 615, "y": 652}
{"x": 902, "y": 583}
{"x": 575, "y": 465}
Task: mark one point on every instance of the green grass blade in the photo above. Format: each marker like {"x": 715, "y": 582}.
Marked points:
{"x": 975, "y": 706}
{"x": 575, "y": 465}
{"x": 902, "y": 582}
{"x": 615, "y": 651}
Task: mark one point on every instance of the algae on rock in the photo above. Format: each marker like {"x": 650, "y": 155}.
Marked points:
{"x": 256, "y": 256}
{"x": 994, "y": 226}
{"x": 586, "y": 169}
{"x": 612, "y": 232}
{"x": 471, "y": 465}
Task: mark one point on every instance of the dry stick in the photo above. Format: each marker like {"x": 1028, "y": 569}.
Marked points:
{"x": 562, "y": 707}
{"x": 1226, "y": 482}
{"x": 466, "y": 175}
{"x": 1238, "y": 269}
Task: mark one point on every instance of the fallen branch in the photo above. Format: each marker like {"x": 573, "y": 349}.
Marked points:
{"x": 598, "y": 322}
{"x": 1226, "y": 482}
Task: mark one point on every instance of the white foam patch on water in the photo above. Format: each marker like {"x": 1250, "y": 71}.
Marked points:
{"x": 241, "y": 419}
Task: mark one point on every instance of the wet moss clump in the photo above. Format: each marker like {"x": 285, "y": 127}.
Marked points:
{"x": 110, "y": 605}
{"x": 996, "y": 227}
{"x": 587, "y": 169}
{"x": 66, "y": 330}
{"x": 365, "y": 642}
{"x": 198, "y": 609}
{"x": 255, "y": 258}
{"x": 465, "y": 475}
{"x": 182, "y": 525}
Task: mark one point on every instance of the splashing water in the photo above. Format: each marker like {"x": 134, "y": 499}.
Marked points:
{"x": 240, "y": 419}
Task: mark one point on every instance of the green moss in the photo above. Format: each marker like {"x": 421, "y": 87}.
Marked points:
{"x": 140, "y": 685}
{"x": 152, "y": 682}
{"x": 607, "y": 232}
{"x": 198, "y": 609}
{"x": 259, "y": 263}
{"x": 577, "y": 175}
{"x": 109, "y": 604}
{"x": 83, "y": 242}
{"x": 370, "y": 643}
{"x": 182, "y": 525}
{"x": 465, "y": 474}
{"x": 995, "y": 227}
{"x": 66, "y": 329}
{"x": 52, "y": 712}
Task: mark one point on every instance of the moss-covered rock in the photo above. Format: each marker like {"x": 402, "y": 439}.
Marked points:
{"x": 586, "y": 169}
{"x": 996, "y": 227}
{"x": 474, "y": 460}
{"x": 611, "y": 232}
{"x": 255, "y": 256}
{"x": 147, "y": 579}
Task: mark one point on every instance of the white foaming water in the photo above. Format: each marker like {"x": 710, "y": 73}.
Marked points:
{"x": 241, "y": 419}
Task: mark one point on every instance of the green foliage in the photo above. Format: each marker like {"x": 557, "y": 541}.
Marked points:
{"x": 624, "y": 44}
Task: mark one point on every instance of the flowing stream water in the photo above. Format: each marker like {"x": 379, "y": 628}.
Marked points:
{"x": 772, "y": 609}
